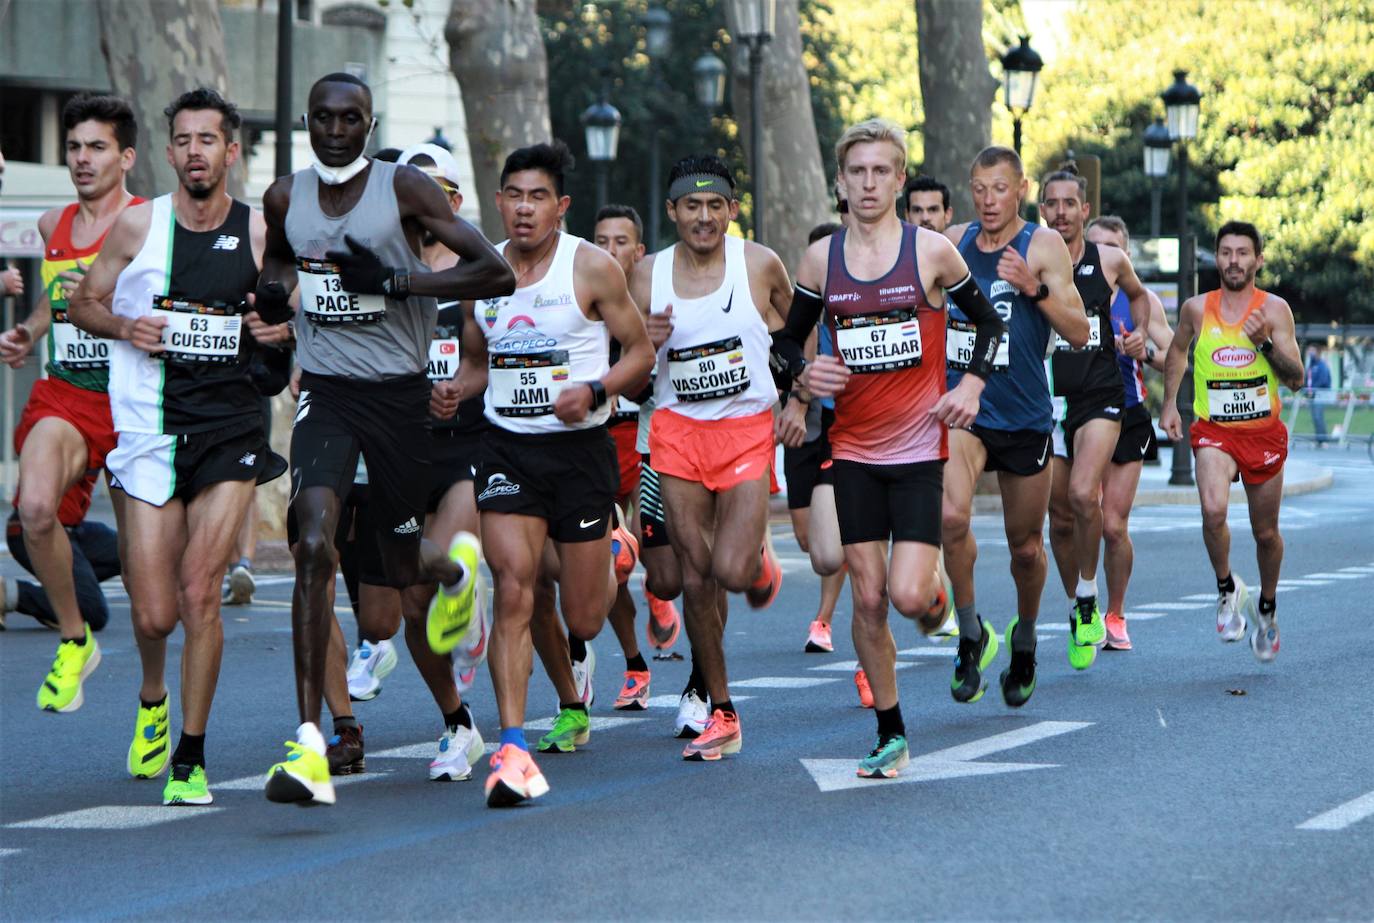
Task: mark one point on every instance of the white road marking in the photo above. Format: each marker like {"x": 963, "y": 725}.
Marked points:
{"x": 1342, "y": 816}
{"x": 1161, "y": 718}
{"x": 849, "y": 666}
{"x": 926, "y": 652}
{"x": 1144, "y": 616}
{"x": 1360, "y": 569}
{"x": 1297, "y": 582}
{"x": 950, "y": 763}
{"x": 1179, "y": 607}
{"x": 1326, "y": 576}
{"x": 4, "y": 853}
{"x": 116, "y": 817}
{"x": 782, "y": 682}
{"x": 1195, "y": 596}
{"x": 671, "y": 701}
{"x": 257, "y": 781}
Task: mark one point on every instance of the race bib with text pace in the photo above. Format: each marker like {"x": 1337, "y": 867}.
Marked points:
{"x": 324, "y": 301}
{"x": 960, "y": 336}
{"x": 878, "y": 342}
{"x": 711, "y": 370}
{"x": 198, "y": 333}
{"x": 75, "y": 348}
{"x": 526, "y": 384}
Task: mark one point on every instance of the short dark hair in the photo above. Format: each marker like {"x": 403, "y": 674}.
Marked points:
{"x": 923, "y": 183}
{"x": 389, "y": 154}
{"x": 1067, "y": 172}
{"x": 553, "y": 158}
{"x": 344, "y": 77}
{"x": 702, "y": 165}
{"x": 113, "y": 111}
{"x": 607, "y": 212}
{"x": 990, "y": 157}
{"x": 1112, "y": 223}
{"x": 1242, "y": 229}
{"x": 822, "y": 231}
{"x": 206, "y": 98}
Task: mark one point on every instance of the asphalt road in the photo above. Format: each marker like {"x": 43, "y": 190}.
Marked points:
{"x": 1148, "y": 787}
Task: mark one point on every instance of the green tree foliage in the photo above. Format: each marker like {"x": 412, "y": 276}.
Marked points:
{"x": 1286, "y": 137}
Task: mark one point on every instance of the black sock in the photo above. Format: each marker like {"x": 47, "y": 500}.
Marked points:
{"x": 462, "y": 717}
{"x": 636, "y": 663}
{"x": 1226, "y": 586}
{"x": 577, "y": 648}
{"x": 1023, "y": 636}
{"x": 344, "y": 723}
{"x": 575, "y": 706}
{"x": 890, "y": 722}
{"x": 79, "y": 642}
{"x": 190, "y": 750}
{"x": 1266, "y": 607}
{"x": 727, "y": 706}
{"x": 695, "y": 682}
{"x": 146, "y": 704}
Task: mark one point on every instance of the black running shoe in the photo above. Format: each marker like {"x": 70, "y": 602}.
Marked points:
{"x": 1018, "y": 680}
{"x": 974, "y": 657}
{"x": 345, "y": 752}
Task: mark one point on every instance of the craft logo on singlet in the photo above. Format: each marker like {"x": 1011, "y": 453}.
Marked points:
{"x": 1233, "y": 357}
{"x": 843, "y": 296}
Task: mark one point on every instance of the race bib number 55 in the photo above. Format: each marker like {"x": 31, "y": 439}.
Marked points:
{"x": 526, "y": 384}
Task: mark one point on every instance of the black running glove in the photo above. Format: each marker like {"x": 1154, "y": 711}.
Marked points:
{"x": 362, "y": 272}
{"x": 271, "y": 301}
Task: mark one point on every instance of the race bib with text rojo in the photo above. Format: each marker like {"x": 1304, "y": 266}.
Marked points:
{"x": 199, "y": 333}
{"x": 878, "y": 342}
{"x": 324, "y": 301}
{"x": 960, "y": 336}
{"x": 75, "y": 348}
{"x": 1238, "y": 399}
{"x": 700, "y": 373}
{"x": 526, "y": 384}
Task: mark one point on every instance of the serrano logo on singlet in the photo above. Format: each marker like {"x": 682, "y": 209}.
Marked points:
{"x": 1233, "y": 357}
{"x": 843, "y": 296}
{"x": 541, "y": 302}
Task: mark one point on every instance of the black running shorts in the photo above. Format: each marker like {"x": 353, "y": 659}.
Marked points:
{"x": 808, "y": 464}
{"x": 567, "y": 479}
{"x": 387, "y": 422}
{"x": 158, "y": 468}
{"x": 454, "y": 457}
{"x": 878, "y": 502}
{"x": 1022, "y": 452}
{"x": 1104, "y": 405}
{"x": 1137, "y": 442}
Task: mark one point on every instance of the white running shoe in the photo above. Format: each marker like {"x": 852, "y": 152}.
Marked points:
{"x": 1264, "y": 641}
{"x": 458, "y": 750}
{"x": 241, "y": 586}
{"x": 692, "y": 715}
{"x": 370, "y": 665}
{"x": 584, "y": 675}
{"x": 1231, "y": 610}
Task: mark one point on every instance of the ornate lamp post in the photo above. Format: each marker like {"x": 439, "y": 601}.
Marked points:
{"x": 1020, "y": 69}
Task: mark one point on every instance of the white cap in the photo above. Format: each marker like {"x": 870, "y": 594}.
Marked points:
{"x": 445, "y": 167}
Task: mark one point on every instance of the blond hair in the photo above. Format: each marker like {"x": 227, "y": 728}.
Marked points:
{"x": 871, "y": 131}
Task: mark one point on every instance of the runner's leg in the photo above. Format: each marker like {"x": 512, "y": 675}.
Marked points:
{"x": 54, "y": 457}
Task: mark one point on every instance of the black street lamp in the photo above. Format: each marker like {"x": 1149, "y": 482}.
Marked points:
{"x": 1157, "y": 147}
{"x": 708, "y": 77}
{"x": 1020, "y": 69}
{"x": 601, "y": 123}
{"x": 1182, "y": 102}
{"x": 756, "y": 21}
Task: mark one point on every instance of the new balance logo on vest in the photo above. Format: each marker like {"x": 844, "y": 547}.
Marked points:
{"x": 409, "y": 527}
{"x": 226, "y": 242}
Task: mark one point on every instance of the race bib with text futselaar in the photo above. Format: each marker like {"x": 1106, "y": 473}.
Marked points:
{"x": 878, "y": 342}
{"x": 324, "y": 301}
{"x": 199, "y": 333}
{"x": 700, "y": 373}
{"x": 527, "y": 384}
{"x": 75, "y": 348}
{"x": 960, "y": 336}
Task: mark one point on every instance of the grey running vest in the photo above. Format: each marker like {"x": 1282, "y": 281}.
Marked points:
{"x": 397, "y": 344}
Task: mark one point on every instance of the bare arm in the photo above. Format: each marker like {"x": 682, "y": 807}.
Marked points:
{"x": 1176, "y": 363}
{"x": 16, "y": 342}
{"x": 764, "y": 265}
{"x": 480, "y": 272}
{"x": 1130, "y": 283}
{"x": 278, "y": 276}
{"x": 89, "y": 307}
{"x": 1275, "y": 323}
{"x": 1050, "y": 263}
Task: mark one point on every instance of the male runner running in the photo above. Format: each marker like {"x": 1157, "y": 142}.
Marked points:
{"x": 1025, "y": 271}
{"x": 65, "y": 430}
{"x": 712, "y": 300}
{"x": 1090, "y": 382}
{"x": 349, "y": 230}
{"x": 1135, "y": 349}
{"x": 1244, "y": 348}
{"x": 171, "y": 287}
{"x": 548, "y": 468}
{"x": 878, "y": 282}
{"x": 927, "y": 203}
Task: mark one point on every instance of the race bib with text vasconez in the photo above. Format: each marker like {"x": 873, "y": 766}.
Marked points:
{"x": 711, "y": 370}
{"x": 883, "y": 342}
{"x": 527, "y": 384}
{"x": 75, "y": 348}
{"x": 1234, "y": 400}
{"x": 198, "y": 333}
{"x": 960, "y": 336}
{"x": 324, "y": 301}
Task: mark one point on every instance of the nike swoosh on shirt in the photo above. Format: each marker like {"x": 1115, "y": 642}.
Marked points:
{"x": 1144, "y": 449}
{"x": 729, "y": 302}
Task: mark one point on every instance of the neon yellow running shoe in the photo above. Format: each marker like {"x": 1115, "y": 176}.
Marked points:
{"x": 1087, "y": 632}
{"x": 450, "y": 612}
{"x": 571, "y": 729}
{"x": 148, "y": 751}
{"x": 303, "y": 777}
{"x": 61, "y": 689}
{"x": 187, "y": 785}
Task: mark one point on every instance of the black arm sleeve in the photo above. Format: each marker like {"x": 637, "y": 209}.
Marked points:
{"x": 789, "y": 342}
{"x": 969, "y": 298}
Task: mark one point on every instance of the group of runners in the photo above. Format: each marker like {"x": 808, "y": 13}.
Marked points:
{"x": 583, "y": 406}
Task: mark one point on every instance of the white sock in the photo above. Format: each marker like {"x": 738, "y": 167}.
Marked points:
{"x": 1086, "y": 588}
{"x": 308, "y": 735}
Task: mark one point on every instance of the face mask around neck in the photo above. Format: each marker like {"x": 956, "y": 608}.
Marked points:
{"x": 333, "y": 176}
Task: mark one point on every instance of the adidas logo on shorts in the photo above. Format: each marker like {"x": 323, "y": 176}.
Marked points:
{"x": 409, "y": 527}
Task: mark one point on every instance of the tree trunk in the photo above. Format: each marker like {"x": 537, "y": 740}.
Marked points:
{"x": 957, "y": 91}
{"x": 795, "y": 195}
{"x": 150, "y": 67}
{"x": 496, "y": 51}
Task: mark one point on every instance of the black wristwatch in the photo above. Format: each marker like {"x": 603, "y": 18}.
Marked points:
{"x": 1267, "y": 347}
{"x": 598, "y": 393}
{"x": 1041, "y": 293}
{"x": 398, "y": 286}
{"x": 1149, "y": 355}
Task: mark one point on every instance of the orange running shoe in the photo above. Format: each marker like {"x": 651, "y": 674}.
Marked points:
{"x": 721, "y": 737}
{"x": 664, "y": 623}
{"x": 769, "y": 582}
{"x": 634, "y": 695}
{"x": 624, "y": 551}
{"x": 514, "y": 778}
{"x": 818, "y": 638}
{"x": 865, "y": 692}
{"x": 1118, "y": 639}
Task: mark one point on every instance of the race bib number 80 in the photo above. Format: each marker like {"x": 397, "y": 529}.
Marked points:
{"x": 324, "y": 301}
{"x": 700, "y": 373}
